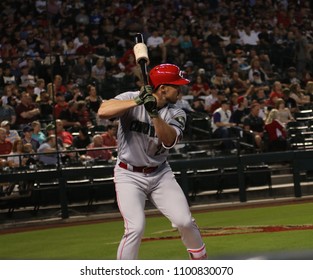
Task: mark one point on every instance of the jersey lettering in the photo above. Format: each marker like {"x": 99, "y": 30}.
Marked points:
{"x": 141, "y": 127}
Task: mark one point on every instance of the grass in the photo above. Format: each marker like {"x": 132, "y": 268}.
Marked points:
{"x": 100, "y": 241}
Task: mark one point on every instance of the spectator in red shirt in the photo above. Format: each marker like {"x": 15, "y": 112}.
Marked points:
{"x": 276, "y": 132}
{"x": 200, "y": 87}
{"x": 275, "y": 94}
{"x": 97, "y": 142}
{"x": 86, "y": 48}
{"x": 65, "y": 136}
{"x": 5, "y": 145}
{"x": 60, "y": 105}
{"x": 56, "y": 86}
{"x": 109, "y": 137}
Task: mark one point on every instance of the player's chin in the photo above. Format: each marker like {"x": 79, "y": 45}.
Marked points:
{"x": 173, "y": 101}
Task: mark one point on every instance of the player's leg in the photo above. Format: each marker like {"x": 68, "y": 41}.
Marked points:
{"x": 171, "y": 201}
{"x": 131, "y": 202}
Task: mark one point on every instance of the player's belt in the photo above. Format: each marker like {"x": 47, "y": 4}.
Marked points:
{"x": 142, "y": 169}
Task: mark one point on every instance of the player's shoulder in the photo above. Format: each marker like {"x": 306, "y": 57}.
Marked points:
{"x": 127, "y": 95}
{"x": 175, "y": 109}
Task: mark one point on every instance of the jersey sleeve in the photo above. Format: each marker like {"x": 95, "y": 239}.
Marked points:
{"x": 127, "y": 95}
{"x": 177, "y": 121}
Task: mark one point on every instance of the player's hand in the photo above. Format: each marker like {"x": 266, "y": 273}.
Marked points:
{"x": 150, "y": 104}
{"x": 144, "y": 92}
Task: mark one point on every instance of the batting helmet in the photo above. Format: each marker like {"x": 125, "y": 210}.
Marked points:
{"x": 167, "y": 74}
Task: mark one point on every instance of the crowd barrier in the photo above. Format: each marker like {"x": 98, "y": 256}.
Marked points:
{"x": 92, "y": 181}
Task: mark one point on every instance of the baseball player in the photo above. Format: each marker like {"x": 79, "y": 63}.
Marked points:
{"x": 150, "y": 125}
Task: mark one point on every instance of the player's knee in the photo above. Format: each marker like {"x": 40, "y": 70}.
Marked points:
{"x": 136, "y": 230}
{"x": 184, "y": 224}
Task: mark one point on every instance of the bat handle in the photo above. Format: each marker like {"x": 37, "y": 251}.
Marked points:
{"x": 143, "y": 66}
{"x": 139, "y": 38}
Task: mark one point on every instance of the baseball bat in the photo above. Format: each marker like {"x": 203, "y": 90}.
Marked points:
{"x": 141, "y": 55}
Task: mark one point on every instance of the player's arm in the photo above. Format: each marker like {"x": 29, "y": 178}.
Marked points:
{"x": 118, "y": 106}
{"x": 165, "y": 132}
{"x": 114, "y": 108}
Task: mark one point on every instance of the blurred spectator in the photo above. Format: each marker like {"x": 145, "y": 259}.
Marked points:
{"x": 156, "y": 47}
{"x": 97, "y": 42}
{"x": 98, "y": 74}
{"x": 200, "y": 87}
{"x": 26, "y": 111}
{"x": 69, "y": 116}
{"x": 11, "y": 134}
{"x": 275, "y": 94}
{"x": 80, "y": 72}
{"x": 8, "y": 77}
{"x": 249, "y": 38}
{"x": 86, "y": 49}
{"x": 93, "y": 102}
{"x": 7, "y": 113}
{"x": 26, "y": 78}
{"x": 298, "y": 95}
{"x": 37, "y": 134}
{"x": 241, "y": 112}
{"x": 39, "y": 88}
{"x": 98, "y": 154}
{"x": 65, "y": 136}
{"x": 13, "y": 101}
{"x": 184, "y": 104}
{"x": 284, "y": 115}
{"x": 198, "y": 104}
{"x": 74, "y": 93}
{"x": 7, "y": 92}
{"x": 290, "y": 103}
{"x": 190, "y": 72}
{"x": 60, "y": 105}
{"x": 27, "y": 138}
{"x": 221, "y": 124}
{"x": 49, "y": 148}
{"x": 58, "y": 84}
{"x": 109, "y": 137}
{"x": 237, "y": 85}
{"x": 83, "y": 114}
{"x": 211, "y": 99}
{"x": 221, "y": 97}
{"x": 82, "y": 140}
{"x": 16, "y": 155}
{"x": 220, "y": 79}
{"x": 258, "y": 84}
{"x": 291, "y": 77}
{"x": 46, "y": 107}
{"x": 302, "y": 52}
{"x": 276, "y": 132}
{"x": 29, "y": 158}
{"x": 253, "y": 122}
{"x": 5, "y": 145}
{"x": 309, "y": 90}
{"x": 256, "y": 68}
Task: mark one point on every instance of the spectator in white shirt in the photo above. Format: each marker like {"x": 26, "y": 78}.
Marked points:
{"x": 157, "y": 49}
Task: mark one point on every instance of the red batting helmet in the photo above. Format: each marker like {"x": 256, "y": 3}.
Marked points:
{"x": 167, "y": 74}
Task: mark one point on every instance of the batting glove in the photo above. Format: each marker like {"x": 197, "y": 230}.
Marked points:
{"x": 150, "y": 104}
{"x": 144, "y": 92}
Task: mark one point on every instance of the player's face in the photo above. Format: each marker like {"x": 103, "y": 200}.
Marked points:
{"x": 171, "y": 93}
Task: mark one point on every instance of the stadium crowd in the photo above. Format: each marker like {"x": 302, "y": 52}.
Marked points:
{"x": 60, "y": 59}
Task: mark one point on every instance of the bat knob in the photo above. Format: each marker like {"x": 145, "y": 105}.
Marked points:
{"x": 141, "y": 52}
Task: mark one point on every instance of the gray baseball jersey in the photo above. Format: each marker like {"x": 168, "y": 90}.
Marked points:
{"x": 137, "y": 142}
